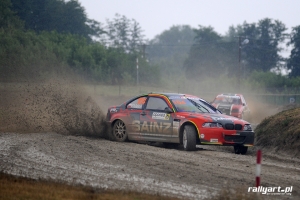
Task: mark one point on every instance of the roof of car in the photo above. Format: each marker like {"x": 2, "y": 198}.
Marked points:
{"x": 229, "y": 94}
{"x": 171, "y": 95}
{"x": 168, "y": 94}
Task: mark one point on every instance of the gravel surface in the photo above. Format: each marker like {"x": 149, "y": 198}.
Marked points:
{"x": 142, "y": 167}
{"x": 39, "y": 124}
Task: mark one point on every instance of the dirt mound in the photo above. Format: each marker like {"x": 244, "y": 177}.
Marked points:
{"x": 280, "y": 132}
{"x": 56, "y": 105}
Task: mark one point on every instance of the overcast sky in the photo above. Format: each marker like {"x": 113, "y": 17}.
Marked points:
{"x": 155, "y": 16}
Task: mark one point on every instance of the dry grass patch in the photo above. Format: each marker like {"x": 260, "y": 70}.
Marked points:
{"x": 280, "y": 131}
{"x": 20, "y": 188}
{"x": 15, "y": 188}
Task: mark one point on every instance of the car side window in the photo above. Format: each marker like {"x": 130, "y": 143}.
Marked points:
{"x": 137, "y": 103}
{"x": 156, "y": 103}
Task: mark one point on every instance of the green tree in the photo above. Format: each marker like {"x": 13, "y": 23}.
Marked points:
{"x": 178, "y": 39}
{"x": 262, "y": 51}
{"x": 170, "y": 49}
{"x": 55, "y": 47}
{"x": 124, "y": 33}
{"x": 136, "y": 37}
{"x": 293, "y": 62}
{"x": 211, "y": 54}
{"x": 8, "y": 19}
{"x": 58, "y": 15}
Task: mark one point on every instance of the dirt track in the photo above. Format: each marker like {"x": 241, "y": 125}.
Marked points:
{"x": 31, "y": 118}
{"x": 142, "y": 167}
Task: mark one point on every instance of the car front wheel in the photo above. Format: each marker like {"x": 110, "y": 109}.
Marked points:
{"x": 189, "y": 138}
{"x": 119, "y": 132}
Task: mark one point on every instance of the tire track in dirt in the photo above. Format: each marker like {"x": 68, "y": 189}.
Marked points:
{"x": 140, "y": 167}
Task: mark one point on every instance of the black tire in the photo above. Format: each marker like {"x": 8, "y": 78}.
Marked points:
{"x": 119, "y": 132}
{"x": 240, "y": 150}
{"x": 189, "y": 138}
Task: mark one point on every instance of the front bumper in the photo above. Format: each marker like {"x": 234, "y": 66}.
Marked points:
{"x": 245, "y": 138}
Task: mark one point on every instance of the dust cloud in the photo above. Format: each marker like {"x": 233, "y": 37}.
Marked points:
{"x": 65, "y": 105}
{"x": 56, "y": 105}
{"x": 259, "y": 110}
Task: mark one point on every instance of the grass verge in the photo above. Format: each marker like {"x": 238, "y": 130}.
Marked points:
{"x": 19, "y": 188}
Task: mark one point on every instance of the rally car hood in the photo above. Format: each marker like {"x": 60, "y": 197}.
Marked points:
{"x": 212, "y": 117}
{"x": 223, "y": 105}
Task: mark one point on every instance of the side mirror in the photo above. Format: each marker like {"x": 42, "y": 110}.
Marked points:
{"x": 168, "y": 110}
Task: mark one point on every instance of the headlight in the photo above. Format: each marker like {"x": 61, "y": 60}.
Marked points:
{"x": 247, "y": 127}
{"x": 212, "y": 125}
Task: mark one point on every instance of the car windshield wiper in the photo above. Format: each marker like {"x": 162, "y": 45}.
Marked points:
{"x": 199, "y": 106}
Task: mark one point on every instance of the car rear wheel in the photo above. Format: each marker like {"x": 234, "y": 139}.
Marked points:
{"x": 189, "y": 138}
{"x": 119, "y": 132}
{"x": 240, "y": 150}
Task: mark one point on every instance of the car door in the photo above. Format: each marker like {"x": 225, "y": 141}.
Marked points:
{"x": 134, "y": 110}
{"x": 156, "y": 120}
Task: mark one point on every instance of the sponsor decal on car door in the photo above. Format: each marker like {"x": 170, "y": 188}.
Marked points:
{"x": 156, "y": 124}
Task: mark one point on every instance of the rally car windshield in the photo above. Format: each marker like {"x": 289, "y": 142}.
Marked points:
{"x": 192, "y": 105}
{"x": 227, "y": 100}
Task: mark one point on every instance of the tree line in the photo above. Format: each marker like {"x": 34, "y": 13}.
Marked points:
{"x": 250, "y": 52}
{"x": 40, "y": 37}
{"x": 210, "y": 52}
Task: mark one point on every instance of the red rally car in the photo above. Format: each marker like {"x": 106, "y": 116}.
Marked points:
{"x": 232, "y": 104}
{"x": 180, "y": 119}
